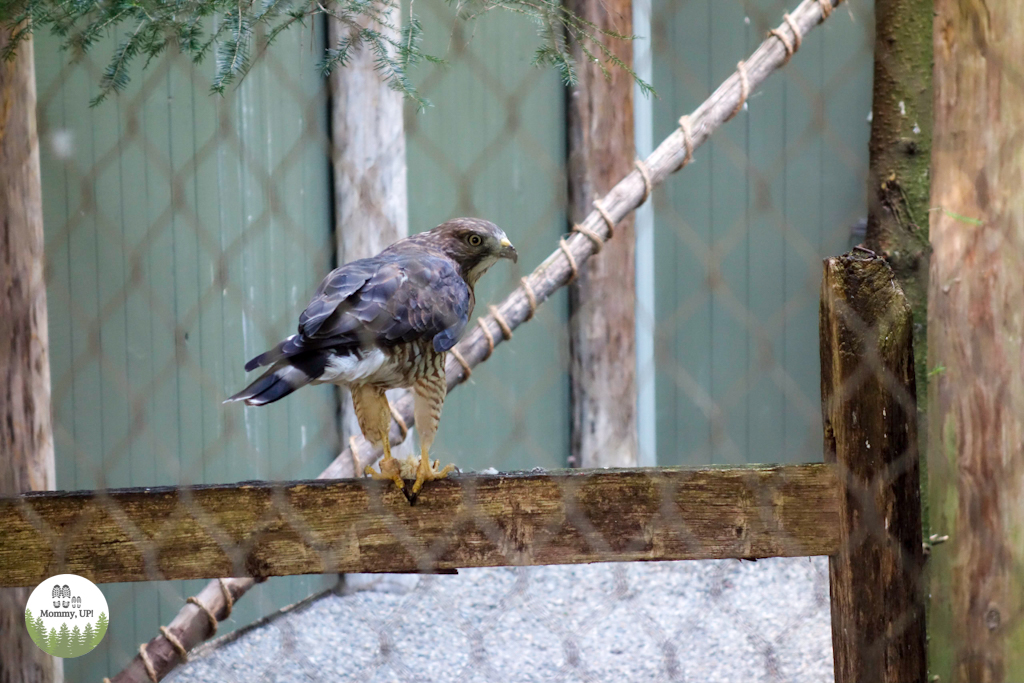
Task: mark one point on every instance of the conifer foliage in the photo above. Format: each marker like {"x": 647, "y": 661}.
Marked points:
{"x": 234, "y": 32}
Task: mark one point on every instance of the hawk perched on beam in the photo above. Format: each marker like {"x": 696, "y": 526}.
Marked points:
{"x": 386, "y": 322}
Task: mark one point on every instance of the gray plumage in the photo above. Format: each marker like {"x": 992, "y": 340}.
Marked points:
{"x": 372, "y": 319}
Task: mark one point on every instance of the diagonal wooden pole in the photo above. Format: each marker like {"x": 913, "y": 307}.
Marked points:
{"x": 192, "y": 625}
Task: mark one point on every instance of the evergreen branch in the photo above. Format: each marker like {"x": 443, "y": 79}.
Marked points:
{"x": 155, "y": 24}
{"x": 115, "y": 76}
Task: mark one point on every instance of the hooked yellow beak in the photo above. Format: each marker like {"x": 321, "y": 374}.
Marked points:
{"x": 508, "y": 251}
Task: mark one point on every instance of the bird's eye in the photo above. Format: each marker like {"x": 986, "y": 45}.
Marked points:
{"x": 475, "y": 240}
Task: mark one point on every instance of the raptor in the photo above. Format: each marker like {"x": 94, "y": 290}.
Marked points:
{"x": 386, "y": 322}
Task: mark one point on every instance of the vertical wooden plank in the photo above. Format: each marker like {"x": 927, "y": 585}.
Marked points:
{"x": 26, "y": 439}
{"x": 161, "y": 293}
{"x": 186, "y": 332}
{"x": 682, "y": 241}
{"x": 765, "y": 398}
{"x": 56, "y": 144}
{"x": 230, "y": 227}
{"x": 975, "y": 328}
{"x": 110, "y": 467}
{"x": 727, "y": 266}
{"x": 803, "y": 211}
{"x": 211, "y": 271}
{"x": 83, "y": 311}
{"x": 870, "y": 424}
{"x": 602, "y": 300}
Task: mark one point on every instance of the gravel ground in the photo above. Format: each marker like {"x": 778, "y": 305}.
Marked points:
{"x": 658, "y": 621}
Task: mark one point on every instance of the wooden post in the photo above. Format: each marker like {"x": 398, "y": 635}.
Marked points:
{"x": 975, "y": 332}
{"x": 26, "y": 438}
{"x": 368, "y": 160}
{"x": 602, "y": 301}
{"x": 870, "y": 425}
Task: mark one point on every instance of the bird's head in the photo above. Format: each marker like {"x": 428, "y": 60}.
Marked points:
{"x": 475, "y": 244}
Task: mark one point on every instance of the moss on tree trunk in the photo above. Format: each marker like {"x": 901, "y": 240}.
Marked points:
{"x": 900, "y": 154}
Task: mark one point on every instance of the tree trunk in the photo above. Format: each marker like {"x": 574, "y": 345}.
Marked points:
{"x": 26, "y": 437}
{"x": 368, "y": 158}
{"x": 976, "y": 327}
{"x": 898, "y": 179}
{"x": 602, "y": 302}
{"x": 900, "y": 151}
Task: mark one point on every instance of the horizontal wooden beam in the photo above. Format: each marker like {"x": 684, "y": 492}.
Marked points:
{"x": 264, "y": 529}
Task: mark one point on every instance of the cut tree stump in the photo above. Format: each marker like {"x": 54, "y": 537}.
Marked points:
{"x": 870, "y": 425}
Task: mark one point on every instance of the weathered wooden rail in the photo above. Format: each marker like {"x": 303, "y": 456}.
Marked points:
{"x": 261, "y": 529}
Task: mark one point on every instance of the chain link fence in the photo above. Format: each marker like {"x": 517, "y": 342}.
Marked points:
{"x": 185, "y": 233}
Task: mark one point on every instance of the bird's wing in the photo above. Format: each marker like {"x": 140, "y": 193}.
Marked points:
{"x": 389, "y": 299}
{"x": 339, "y": 285}
{"x": 409, "y": 296}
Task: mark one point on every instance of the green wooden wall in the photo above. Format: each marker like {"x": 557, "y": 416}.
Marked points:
{"x": 740, "y": 233}
{"x": 183, "y": 234}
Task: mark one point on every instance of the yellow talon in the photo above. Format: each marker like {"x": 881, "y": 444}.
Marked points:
{"x": 428, "y": 471}
{"x": 390, "y": 470}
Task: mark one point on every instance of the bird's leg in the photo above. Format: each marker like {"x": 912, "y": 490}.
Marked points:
{"x": 390, "y": 468}
{"x": 374, "y": 415}
{"x": 428, "y": 397}
{"x": 428, "y": 471}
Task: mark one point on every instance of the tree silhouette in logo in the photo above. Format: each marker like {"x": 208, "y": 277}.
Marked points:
{"x": 101, "y": 626}
{"x": 88, "y": 635}
{"x": 34, "y": 631}
{"x": 63, "y": 641}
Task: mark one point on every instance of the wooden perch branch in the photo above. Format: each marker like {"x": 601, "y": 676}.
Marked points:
{"x": 262, "y": 529}
{"x": 555, "y": 272}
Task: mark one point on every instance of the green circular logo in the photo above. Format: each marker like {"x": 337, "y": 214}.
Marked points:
{"x": 66, "y": 615}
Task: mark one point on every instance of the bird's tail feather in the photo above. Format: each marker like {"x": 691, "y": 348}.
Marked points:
{"x": 286, "y": 348}
{"x": 274, "y": 384}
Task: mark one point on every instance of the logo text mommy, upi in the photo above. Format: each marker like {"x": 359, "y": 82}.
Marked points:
{"x": 84, "y": 613}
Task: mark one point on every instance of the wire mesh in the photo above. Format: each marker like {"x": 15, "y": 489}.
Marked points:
{"x": 185, "y": 232}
